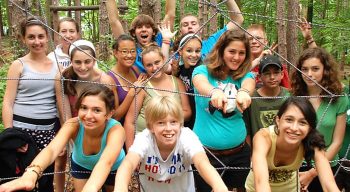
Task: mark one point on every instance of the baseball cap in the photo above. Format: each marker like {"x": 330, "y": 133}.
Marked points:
{"x": 79, "y": 43}
{"x": 269, "y": 60}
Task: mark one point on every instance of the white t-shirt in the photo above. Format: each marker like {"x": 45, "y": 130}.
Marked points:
{"x": 173, "y": 174}
{"x": 62, "y": 58}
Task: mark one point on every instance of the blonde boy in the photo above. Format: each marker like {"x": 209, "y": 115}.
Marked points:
{"x": 165, "y": 151}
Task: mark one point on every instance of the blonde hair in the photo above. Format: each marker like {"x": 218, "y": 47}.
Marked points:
{"x": 159, "y": 107}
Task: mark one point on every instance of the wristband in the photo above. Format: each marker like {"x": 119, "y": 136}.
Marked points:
{"x": 244, "y": 90}
{"x": 310, "y": 41}
{"x": 39, "y": 173}
{"x": 212, "y": 91}
{"x": 166, "y": 42}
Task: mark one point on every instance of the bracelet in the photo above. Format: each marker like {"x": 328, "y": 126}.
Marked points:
{"x": 212, "y": 91}
{"x": 40, "y": 173}
{"x": 166, "y": 42}
{"x": 310, "y": 41}
{"x": 244, "y": 90}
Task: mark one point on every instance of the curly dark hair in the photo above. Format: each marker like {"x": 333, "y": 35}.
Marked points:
{"x": 330, "y": 79}
{"x": 215, "y": 60}
{"x": 313, "y": 138}
{"x": 141, "y": 20}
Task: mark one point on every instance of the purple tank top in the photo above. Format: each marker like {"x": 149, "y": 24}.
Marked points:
{"x": 121, "y": 92}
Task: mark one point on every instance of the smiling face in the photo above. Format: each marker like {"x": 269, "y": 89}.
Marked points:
{"x": 312, "y": 68}
{"x": 36, "y": 39}
{"x": 191, "y": 52}
{"x": 126, "y": 53}
{"x": 69, "y": 31}
{"x": 292, "y": 125}
{"x": 166, "y": 132}
{"x": 93, "y": 113}
{"x": 256, "y": 47}
{"x": 152, "y": 61}
{"x": 234, "y": 55}
{"x": 144, "y": 34}
{"x": 83, "y": 64}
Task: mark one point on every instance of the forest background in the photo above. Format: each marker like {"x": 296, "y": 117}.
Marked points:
{"x": 330, "y": 24}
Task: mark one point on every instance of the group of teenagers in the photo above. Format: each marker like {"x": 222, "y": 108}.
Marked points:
{"x": 240, "y": 110}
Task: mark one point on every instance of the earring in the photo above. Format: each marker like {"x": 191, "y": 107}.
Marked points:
{"x": 277, "y": 131}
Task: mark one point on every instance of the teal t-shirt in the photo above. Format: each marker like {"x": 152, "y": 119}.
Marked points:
{"x": 89, "y": 161}
{"x": 328, "y": 122}
{"x": 214, "y": 130}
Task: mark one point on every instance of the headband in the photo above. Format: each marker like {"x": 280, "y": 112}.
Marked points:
{"x": 79, "y": 43}
{"x": 188, "y": 36}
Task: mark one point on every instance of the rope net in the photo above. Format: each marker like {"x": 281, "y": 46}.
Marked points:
{"x": 224, "y": 13}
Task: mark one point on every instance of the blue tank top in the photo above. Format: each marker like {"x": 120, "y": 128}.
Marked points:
{"x": 89, "y": 161}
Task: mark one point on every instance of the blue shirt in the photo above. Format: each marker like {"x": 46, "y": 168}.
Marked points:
{"x": 138, "y": 62}
{"x": 214, "y": 130}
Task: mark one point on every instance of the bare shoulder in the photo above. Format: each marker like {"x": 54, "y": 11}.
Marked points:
{"x": 262, "y": 138}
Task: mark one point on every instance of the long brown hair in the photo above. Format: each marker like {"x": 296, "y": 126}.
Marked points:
{"x": 215, "y": 60}
{"x": 330, "y": 79}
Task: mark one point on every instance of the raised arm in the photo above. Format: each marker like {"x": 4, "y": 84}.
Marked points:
{"x": 115, "y": 141}
{"x": 113, "y": 18}
{"x": 235, "y": 14}
{"x": 208, "y": 172}
{"x": 305, "y": 29}
{"x": 325, "y": 172}
{"x": 14, "y": 71}
{"x": 170, "y": 6}
{"x": 125, "y": 170}
{"x": 261, "y": 147}
{"x": 45, "y": 158}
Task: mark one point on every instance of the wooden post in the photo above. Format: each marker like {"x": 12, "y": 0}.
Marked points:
{"x": 104, "y": 29}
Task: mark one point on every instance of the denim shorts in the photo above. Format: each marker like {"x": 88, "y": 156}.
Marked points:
{"x": 79, "y": 172}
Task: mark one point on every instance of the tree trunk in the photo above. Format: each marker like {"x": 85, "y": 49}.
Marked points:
{"x": 55, "y": 20}
{"x": 182, "y": 8}
{"x": 93, "y": 19}
{"x": 104, "y": 29}
{"x": 292, "y": 32}
{"x": 214, "y": 21}
{"x": 203, "y": 17}
{"x": 151, "y": 8}
{"x": 1, "y": 23}
{"x": 69, "y": 3}
{"x": 77, "y": 14}
{"x": 281, "y": 29}
{"x": 16, "y": 16}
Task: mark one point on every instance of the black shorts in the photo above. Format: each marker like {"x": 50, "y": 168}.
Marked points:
{"x": 233, "y": 178}
{"x": 80, "y": 172}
